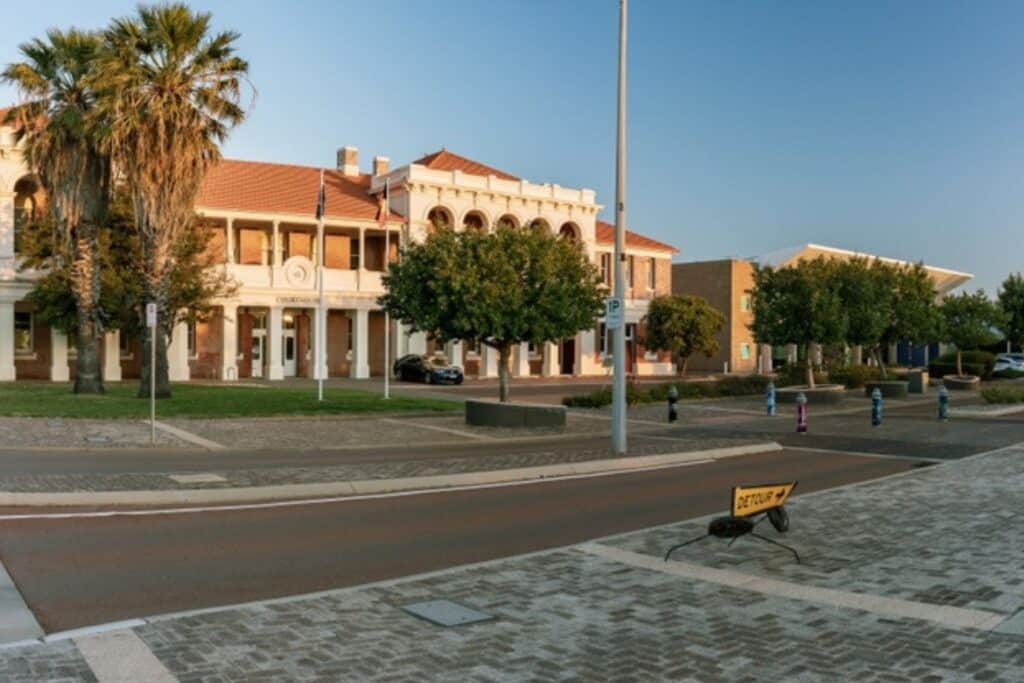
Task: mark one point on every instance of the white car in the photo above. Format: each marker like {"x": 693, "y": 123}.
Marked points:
{"x": 1009, "y": 361}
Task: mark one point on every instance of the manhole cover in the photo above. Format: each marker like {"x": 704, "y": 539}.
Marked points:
{"x": 446, "y": 613}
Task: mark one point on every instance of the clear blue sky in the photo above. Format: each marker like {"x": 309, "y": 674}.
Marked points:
{"x": 895, "y": 128}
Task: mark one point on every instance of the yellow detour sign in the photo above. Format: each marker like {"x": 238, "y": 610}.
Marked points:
{"x": 749, "y": 500}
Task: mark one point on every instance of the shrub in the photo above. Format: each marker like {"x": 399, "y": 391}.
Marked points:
{"x": 735, "y": 385}
{"x": 1008, "y": 373}
{"x": 796, "y": 373}
{"x": 854, "y": 376}
{"x": 1003, "y": 395}
{"x": 603, "y": 397}
{"x": 980, "y": 363}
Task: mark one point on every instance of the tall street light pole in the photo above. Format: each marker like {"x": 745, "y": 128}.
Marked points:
{"x": 619, "y": 334}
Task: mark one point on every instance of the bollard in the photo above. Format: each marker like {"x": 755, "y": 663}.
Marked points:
{"x": 769, "y": 399}
{"x": 876, "y": 407}
{"x": 943, "y": 404}
{"x": 673, "y": 396}
{"x": 801, "y": 413}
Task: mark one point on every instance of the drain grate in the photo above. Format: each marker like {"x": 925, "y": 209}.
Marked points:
{"x": 446, "y": 613}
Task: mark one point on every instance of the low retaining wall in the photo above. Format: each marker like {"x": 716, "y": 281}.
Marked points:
{"x": 954, "y": 383}
{"x": 889, "y": 389}
{"x": 823, "y": 394}
{"x": 497, "y": 414}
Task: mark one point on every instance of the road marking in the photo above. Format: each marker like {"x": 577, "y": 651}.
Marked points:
{"x": 122, "y": 657}
{"x": 447, "y": 430}
{"x": 866, "y": 454}
{"x": 578, "y": 470}
{"x": 189, "y": 436}
{"x": 17, "y": 623}
{"x": 944, "y": 615}
{"x": 203, "y": 478}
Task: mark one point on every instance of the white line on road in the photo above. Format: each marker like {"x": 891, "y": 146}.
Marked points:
{"x": 579, "y": 470}
{"x": 864, "y": 454}
{"x": 189, "y": 436}
{"x": 447, "y": 430}
{"x": 122, "y": 657}
{"x": 944, "y": 615}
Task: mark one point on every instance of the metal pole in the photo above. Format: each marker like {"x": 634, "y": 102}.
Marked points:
{"x": 152, "y": 384}
{"x": 619, "y": 335}
{"x": 321, "y": 322}
{"x": 387, "y": 267}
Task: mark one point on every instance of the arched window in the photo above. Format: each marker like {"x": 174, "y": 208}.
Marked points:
{"x": 507, "y": 222}
{"x": 570, "y": 232}
{"x": 474, "y": 221}
{"x": 439, "y": 219}
{"x": 540, "y": 224}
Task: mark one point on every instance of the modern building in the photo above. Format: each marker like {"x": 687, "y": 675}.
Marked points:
{"x": 726, "y": 284}
{"x": 264, "y": 230}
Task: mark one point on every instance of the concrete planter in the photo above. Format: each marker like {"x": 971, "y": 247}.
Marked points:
{"x": 918, "y": 378}
{"x": 823, "y": 394}
{"x": 889, "y": 389}
{"x": 965, "y": 383}
{"x": 498, "y": 414}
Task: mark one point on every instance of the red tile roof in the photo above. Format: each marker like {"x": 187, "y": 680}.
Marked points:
{"x": 444, "y": 160}
{"x": 606, "y": 235}
{"x": 282, "y": 188}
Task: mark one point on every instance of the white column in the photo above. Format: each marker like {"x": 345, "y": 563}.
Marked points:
{"x": 521, "y": 361}
{"x": 177, "y": 354}
{"x": 893, "y": 353}
{"x": 275, "y": 332}
{"x": 488, "y": 361}
{"x": 418, "y": 342}
{"x": 7, "y": 238}
{"x": 455, "y": 353}
{"x": 857, "y": 354}
{"x": 402, "y": 342}
{"x": 361, "y": 345}
{"x": 7, "y": 373}
{"x": 59, "y": 371}
{"x": 362, "y": 249}
{"x": 112, "y": 356}
{"x": 276, "y": 245}
{"x": 552, "y": 365}
{"x": 765, "y": 360}
{"x": 229, "y": 242}
{"x": 229, "y": 344}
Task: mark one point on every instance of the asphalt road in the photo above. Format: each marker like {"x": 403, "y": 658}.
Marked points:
{"x": 83, "y": 571}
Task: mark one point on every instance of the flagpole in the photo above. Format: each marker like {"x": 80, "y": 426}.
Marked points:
{"x": 387, "y": 267}
{"x": 321, "y": 338}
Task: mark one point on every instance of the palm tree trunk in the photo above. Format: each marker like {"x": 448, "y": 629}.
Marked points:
{"x": 504, "y": 363}
{"x": 85, "y": 277}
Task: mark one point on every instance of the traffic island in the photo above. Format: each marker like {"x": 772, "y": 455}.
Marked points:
{"x": 888, "y": 389}
{"x": 481, "y": 413}
{"x": 964, "y": 383}
{"x": 823, "y": 394}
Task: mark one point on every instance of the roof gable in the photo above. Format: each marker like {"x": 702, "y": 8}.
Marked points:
{"x": 443, "y": 160}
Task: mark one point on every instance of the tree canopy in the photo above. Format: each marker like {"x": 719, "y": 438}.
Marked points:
{"x": 970, "y": 322}
{"x": 683, "y": 326}
{"x": 500, "y": 289}
{"x": 1011, "y": 300}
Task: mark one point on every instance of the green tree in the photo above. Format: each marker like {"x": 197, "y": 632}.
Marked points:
{"x": 500, "y": 289}
{"x": 58, "y": 125}
{"x": 914, "y": 313}
{"x": 969, "y": 322}
{"x": 864, "y": 290}
{"x": 1011, "y": 300}
{"x": 171, "y": 90}
{"x": 798, "y": 304}
{"x": 195, "y": 284}
{"x": 683, "y": 326}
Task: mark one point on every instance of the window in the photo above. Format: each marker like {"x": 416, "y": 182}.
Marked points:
{"x": 353, "y": 251}
{"x": 745, "y": 303}
{"x": 745, "y": 351}
{"x": 349, "y": 340}
{"x": 191, "y": 338}
{"x": 471, "y": 346}
{"x": 602, "y": 338}
{"x": 22, "y": 332}
{"x": 606, "y": 269}
{"x": 650, "y": 273}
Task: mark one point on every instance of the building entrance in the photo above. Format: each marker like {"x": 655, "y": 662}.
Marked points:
{"x": 288, "y": 346}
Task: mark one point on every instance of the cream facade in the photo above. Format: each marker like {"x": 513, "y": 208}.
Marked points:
{"x": 262, "y": 217}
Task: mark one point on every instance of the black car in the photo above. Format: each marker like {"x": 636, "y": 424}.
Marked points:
{"x": 429, "y": 369}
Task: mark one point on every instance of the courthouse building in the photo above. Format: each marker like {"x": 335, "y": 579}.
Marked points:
{"x": 262, "y": 216}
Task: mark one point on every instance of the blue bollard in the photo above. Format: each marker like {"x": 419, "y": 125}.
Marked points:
{"x": 673, "y": 396}
{"x": 943, "y": 404}
{"x": 876, "y": 407}
{"x": 769, "y": 399}
{"x": 801, "y": 413}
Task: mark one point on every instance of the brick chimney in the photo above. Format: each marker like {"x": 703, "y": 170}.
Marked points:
{"x": 348, "y": 160}
{"x": 381, "y": 165}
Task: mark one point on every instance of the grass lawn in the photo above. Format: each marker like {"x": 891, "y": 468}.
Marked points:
{"x": 27, "y": 399}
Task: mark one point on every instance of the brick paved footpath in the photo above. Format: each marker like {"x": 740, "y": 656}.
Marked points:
{"x": 940, "y": 540}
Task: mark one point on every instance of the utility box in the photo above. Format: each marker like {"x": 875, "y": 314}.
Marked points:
{"x": 918, "y": 379}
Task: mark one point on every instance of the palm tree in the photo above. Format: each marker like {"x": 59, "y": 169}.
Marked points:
{"x": 171, "y": 90}
{"x": 57, "y": 123}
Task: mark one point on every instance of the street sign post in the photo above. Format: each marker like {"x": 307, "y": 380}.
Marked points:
{"x": 151, "y": 324}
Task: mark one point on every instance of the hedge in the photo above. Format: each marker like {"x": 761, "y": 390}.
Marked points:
{"x": 736, "y": 385}
{"x": 980, "y": 363}
{"x": 854, "y": 376}
{"x": 1003, "y": 395}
